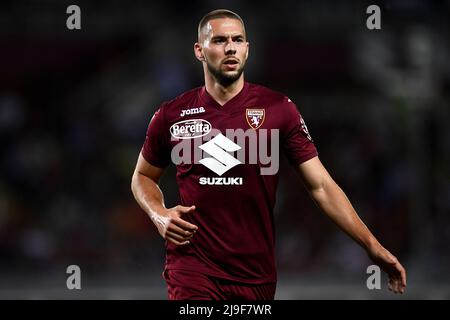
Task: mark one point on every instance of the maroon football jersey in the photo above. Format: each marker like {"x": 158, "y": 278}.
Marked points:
{"x": 227, "y": 166}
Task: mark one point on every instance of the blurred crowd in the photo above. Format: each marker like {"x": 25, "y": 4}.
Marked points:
{"x": 75, "y": 105}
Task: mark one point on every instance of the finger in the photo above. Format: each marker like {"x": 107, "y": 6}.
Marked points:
{"x": 176, "y": 236}
{"x": 403, "y": 276}
{"x": 178, "y": 243}
{"x": 176, "y": 229}
{"x": 400, "y": 286}
{"x": 182, "y": 236}
{"x": 395, "y": 286}
{"x": 400, "y": 278}
{"x": 183, "y": 209}
{"x": 184, "y": 224}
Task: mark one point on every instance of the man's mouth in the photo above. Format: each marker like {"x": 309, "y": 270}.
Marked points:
{"x": 230, "y": 62}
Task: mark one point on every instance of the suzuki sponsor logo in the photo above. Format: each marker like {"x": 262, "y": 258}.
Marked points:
{"x": 221, "y": 160}
{"x": 221, "y": 181}
{"x": 188, "y": 112}
{"x": 189, "y": 129}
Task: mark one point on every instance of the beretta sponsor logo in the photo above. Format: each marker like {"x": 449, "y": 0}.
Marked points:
{"x": 189, "y": 129}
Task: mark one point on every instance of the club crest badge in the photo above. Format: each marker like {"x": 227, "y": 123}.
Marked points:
{"x": 255, "y": 117}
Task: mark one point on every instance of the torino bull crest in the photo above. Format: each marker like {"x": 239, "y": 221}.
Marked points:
{"x": 255, "y": 117}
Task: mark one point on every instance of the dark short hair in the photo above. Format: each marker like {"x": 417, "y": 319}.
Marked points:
{"x": 216, "y": 14}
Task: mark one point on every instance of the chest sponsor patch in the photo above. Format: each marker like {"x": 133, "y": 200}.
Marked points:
{"x": 189, "y": 129}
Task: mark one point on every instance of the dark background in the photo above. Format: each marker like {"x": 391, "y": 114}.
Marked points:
{"x": 75, "y": 104}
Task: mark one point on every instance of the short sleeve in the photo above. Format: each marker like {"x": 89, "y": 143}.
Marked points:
{"x": 298, "y": 145}
{"x": 156, "y": 148}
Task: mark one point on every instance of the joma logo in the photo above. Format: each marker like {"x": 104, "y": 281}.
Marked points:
{"x": 187, "y": 112}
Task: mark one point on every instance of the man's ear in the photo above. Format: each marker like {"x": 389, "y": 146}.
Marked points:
{"x": 198, "y": 52}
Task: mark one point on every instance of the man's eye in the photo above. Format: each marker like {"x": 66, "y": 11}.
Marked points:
{"x": 218, "y": 41}
{"x": 240, "y": 40}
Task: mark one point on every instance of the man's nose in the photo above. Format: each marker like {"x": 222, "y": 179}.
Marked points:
{"x": 230, "y": 48}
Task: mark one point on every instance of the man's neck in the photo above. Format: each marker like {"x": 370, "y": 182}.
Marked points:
{"x": 223, "y": 94}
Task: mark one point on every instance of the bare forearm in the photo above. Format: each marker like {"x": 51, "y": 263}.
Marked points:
{"x": 334, "y": 203}
{"x": 147, "y": 194}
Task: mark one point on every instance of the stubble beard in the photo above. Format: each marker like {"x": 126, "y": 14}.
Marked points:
{"x": 223, "y": 78}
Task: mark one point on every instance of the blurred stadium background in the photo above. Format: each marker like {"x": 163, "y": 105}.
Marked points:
{"x": 74, "y": 107}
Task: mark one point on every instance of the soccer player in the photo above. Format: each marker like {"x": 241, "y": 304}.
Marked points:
{"x": 220, "y": 238}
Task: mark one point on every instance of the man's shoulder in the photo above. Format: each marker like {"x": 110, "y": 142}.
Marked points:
{"x": 268, "y": 95}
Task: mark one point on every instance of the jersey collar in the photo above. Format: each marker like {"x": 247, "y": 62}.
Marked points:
{"x": 237, "y": 100}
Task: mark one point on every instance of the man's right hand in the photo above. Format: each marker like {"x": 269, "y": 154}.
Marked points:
{"x": 174, "y": 229}
{"x": 389, "y": 264}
